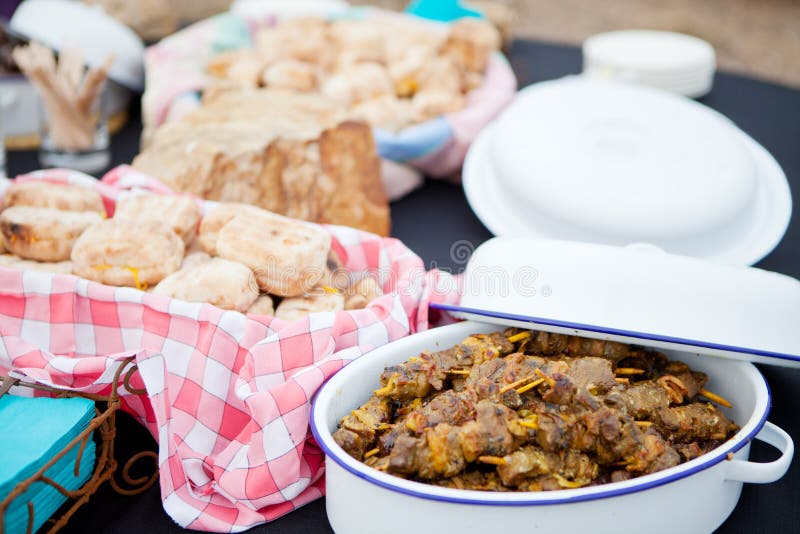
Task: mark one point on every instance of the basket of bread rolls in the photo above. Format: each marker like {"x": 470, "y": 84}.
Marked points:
{"x": 235, "y": 315}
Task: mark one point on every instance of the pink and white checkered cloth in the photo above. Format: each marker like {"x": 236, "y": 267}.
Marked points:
{"x": 227, "y": 394}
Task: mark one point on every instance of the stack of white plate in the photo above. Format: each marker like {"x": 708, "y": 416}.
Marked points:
{"x": 615, "y": 163}
{"x": 670, "y": 61}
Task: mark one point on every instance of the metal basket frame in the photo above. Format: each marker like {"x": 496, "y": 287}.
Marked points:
{"x": 106, "y": 465}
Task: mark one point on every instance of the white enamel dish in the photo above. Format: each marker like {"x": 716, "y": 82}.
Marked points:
{"x": 706, "y": 314}
{"x": 700, "y": 494}
{"x": 616, "y": 164}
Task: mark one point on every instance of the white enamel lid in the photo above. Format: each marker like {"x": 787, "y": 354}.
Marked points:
{"x": 58, "y": 23}
{"x": 636, "y": 294}
{"x": 623, "y": 161}
{"x": 617, "y": 163}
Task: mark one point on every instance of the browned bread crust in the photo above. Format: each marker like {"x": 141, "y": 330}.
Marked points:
{"x": 296, "y": 155}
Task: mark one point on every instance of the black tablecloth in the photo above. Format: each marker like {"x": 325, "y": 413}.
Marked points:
{"x": 431, "y": 220}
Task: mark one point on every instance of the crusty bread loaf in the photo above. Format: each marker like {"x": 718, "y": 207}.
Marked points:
{"x": 226, "y": 284}
{"x": 288, "y": 257}
{"x": 43, "y": 234}
{"x": 292, "y": 154}
{"x": 42, "y": 194}
{"x": 121, "y": 252}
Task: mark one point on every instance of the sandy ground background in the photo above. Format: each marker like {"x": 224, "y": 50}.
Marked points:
{"x": 755, "y": 37}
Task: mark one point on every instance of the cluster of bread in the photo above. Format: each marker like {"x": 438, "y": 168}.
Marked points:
{"x": 389, "y": 71}
{"x": 242, "y": 257}
{"x": 289, "y": 153}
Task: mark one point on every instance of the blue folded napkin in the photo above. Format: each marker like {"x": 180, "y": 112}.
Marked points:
{"x": 45, "y": 498}
{"x": 32, "y": 431}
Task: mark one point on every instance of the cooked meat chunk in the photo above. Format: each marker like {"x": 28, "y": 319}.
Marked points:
{"x": 592, "y": 373}
{"x": 357, "y": 432}
{"x": 645, "y": 399}
{"x": 569, "y": 469}
{"x": 433, "y": 455}
{"x": 449, "y": 407}
{"x": 488, "y": 434}
{"x": 693, "y": 422}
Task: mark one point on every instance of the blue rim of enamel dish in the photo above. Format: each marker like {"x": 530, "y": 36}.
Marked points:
{"x": 720, "y": 455}
{"x": 614, "y": 331}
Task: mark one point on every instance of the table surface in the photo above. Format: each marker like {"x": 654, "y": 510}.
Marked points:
{"x": 769, "y": 113}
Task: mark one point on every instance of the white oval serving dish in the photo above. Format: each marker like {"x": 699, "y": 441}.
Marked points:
{"x": 699, "y": 494}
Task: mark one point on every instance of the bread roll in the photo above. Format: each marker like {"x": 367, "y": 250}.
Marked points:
{"x": 292, "y": 309}
{"x": 226, "y": 284}
{"x": 367, "y": 80}
{"x": 386, "y": 112}
{"x": 288, "y": 257}
{"x": 430, "y": 104}
{"x": 362, "y": 293}
{"x": 195, "y": 258}
{"x": 213, "y": 222}
{"x": 43, "y": 234}
{"x": 120, "y": 252}
{"x": 177, "y": 212}
{"x": 15, "y": 262}
{"x": 41, "y": 194}
{"x": 471, "y": 42}
{"x": 290, "y": 74}
{"x": 357, "y": 42}
{"x": 303, "y": 38}
{"x": 263, "y": 306}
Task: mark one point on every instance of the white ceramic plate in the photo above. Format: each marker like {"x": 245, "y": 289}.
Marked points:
{"x": 763, "y": 228}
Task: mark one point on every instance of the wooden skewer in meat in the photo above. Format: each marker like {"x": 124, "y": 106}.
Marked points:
{"x": 69, "y": 95}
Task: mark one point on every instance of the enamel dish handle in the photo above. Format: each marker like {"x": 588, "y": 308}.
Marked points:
{"x": 763, "y": 473}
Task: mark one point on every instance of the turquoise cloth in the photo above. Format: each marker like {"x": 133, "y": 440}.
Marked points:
{"x": 32, "y": 431}
{"x": 441, "y": 10}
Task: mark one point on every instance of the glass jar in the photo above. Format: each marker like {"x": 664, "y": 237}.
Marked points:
{"x": 72, "y": 140}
